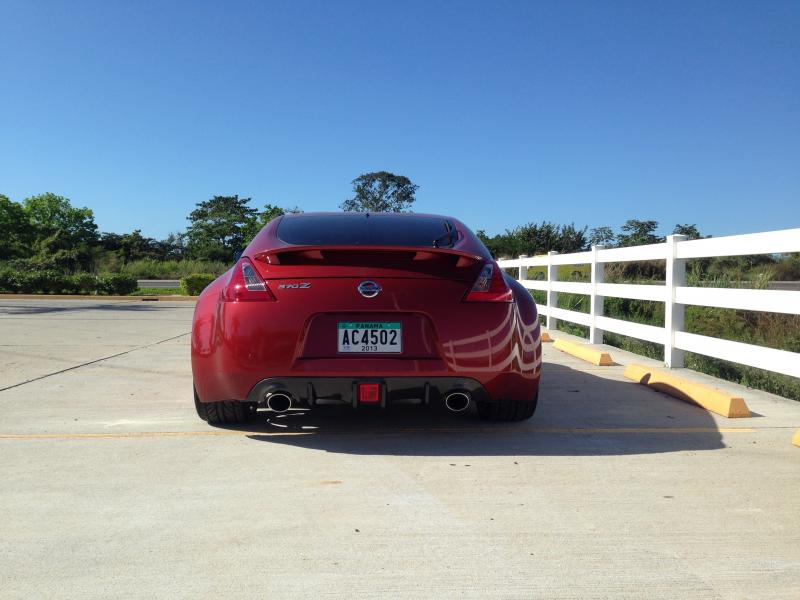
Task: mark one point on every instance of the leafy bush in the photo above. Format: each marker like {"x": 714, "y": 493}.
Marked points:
{"x": 58, "y": 283}
{"x": 117, "y": 285}
{"x": 37, "y": 282}
{"x": 7, "y": 282}
{"x": 788, "y": 268}
{"x": 195, "y": 283}
{"x": 55, "y": 282}
{"x": 84, "y": 283}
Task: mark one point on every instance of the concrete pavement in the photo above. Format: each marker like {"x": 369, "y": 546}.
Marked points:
{"x": 113, "y": 488}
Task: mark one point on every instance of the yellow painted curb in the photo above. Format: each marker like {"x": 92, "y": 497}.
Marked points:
{"x": 796, "y": 438}
{"x": 709, "y": 398}
{"x": 546, "y": 337}
{"x": 587, "y": 353}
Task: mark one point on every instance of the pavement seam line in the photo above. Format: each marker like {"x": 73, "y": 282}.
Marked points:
{"x": 92, "y": 362}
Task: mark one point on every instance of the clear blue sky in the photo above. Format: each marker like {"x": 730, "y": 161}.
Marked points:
{"x": 502, "y": 112}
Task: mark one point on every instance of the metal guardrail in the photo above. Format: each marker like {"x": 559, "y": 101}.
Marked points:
{"x": 674, "y": 293}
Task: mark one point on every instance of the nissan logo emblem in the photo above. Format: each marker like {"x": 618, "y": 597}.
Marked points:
{"x": 369, "y": 289}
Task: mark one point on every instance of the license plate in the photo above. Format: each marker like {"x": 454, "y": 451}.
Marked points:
{"x": 370, "y": 336}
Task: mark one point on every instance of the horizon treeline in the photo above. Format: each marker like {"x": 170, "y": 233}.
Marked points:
{"x": 46, "y": 232}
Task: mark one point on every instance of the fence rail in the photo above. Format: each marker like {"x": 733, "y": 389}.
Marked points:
{"x": 674, "y": 293}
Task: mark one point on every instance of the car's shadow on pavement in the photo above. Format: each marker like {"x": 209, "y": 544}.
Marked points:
{"x": 580, "y": 413}
{"x": 80, "y": 306}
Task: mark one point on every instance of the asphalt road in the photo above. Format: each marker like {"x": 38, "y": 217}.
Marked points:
{"x": 158, "y": 283}
{"x": 112, "y": 488}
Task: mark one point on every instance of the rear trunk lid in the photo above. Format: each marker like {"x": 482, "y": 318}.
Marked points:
{"x": 418, "y": 289}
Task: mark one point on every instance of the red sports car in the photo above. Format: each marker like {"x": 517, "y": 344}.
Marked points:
{"x": 365, "y": 310}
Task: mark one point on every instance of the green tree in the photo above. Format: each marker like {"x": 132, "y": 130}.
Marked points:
{"x": 63, "y": 234}
{"x": 690, "y": 231}
{"x": 49, "y": 213}
{"x": 381, "y": 191}
{"x": 269, "y": 213}
{"x": 570, "y": 239}
{"x": 173, "y": 247}
{"x": 219, "y": 227}
{"x": 485, "y": 239}
{"x": 602, "y": 236}
{"x": 505, "y": 244}
{"x": 638, "y": 233}
{"x": 134, "y": 246}
{"x": 536, "y": 238}
{"x": 16, "y": 233}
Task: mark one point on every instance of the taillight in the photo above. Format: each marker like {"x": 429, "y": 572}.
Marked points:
{"x": 246, "y": 284}
{"x": 490, "y": 286}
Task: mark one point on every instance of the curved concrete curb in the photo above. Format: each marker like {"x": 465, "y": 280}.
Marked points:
{"x": 587, "y": 353}
{"x": 706, "y": 397}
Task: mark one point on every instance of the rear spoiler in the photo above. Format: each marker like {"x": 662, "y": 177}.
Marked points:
{"x": 318, "y": 253}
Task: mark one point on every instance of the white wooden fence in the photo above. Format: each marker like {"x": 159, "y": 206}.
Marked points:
{"x": 674, "y": 293}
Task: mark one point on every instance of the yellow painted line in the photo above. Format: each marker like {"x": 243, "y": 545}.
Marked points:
{"x": 796, "y": 438}
{"x": 584, "y": 352}
{"x": 134, "y": 434}
{"x": 546, "y": 337}
{"x": 587, "y": 430}
{"x": 237, "y": 433}
{"x": 712, "y": 399}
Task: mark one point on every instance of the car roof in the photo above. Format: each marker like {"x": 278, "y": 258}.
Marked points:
{"x": 269, "y": 239}
{"x": 356, "y": 214}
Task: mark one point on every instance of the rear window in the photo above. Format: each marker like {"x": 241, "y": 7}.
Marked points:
{"x": 361, "y": 230}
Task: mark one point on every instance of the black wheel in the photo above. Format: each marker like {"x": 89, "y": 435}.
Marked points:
{"x": 507, "y": 410}
{"x": 224, "y": 412}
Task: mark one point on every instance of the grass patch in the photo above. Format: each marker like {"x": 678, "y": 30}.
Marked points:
{"x": 167, "y": 269}
{"x": 759, "y": 379}
{"x": 151, "y": 291}
{"x": 634, "y": 345}
{"x": 565, "y": 273}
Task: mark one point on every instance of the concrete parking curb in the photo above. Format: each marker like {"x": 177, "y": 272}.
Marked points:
{"x": 711, "y": 399}
{"x": 87, "y": 297}
{"x": 796, "y": 438}
{"x": 587, "y": 353}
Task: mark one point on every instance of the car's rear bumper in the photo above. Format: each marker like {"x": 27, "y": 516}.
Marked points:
{"x": 319, "y": 391}
{"x": 235, "y": 346}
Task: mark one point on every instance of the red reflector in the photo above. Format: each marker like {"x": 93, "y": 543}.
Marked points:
{"x": 369, "y": 392}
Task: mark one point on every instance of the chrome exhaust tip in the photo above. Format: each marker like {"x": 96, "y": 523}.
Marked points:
{"x": 279, "y": 402}
{"x": 457, "y": 401}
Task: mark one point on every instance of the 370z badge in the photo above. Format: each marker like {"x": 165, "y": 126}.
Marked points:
{"x": 294, "y": 286}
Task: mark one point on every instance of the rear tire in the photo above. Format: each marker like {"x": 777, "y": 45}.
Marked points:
{"x": 229, "y": 411}
{"x": 508, "y": 410}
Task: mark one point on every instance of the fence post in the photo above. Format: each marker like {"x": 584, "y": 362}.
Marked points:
{"x": 552, "y": 295}
{"x": 673, "y": 312}
{"x": 595, "y": 300}
{"x": 523, "y": 269}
